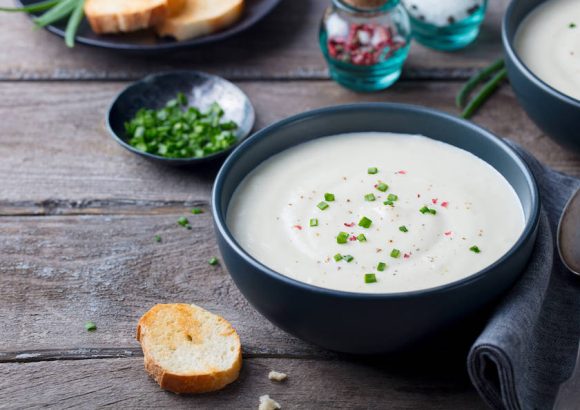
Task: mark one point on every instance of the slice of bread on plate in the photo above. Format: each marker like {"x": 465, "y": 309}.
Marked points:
{"x": 121, "y": 16}
{"x": 188, "y": 349}
{"x": 201, "y": 17}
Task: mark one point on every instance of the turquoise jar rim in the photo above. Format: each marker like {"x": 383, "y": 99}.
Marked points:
{"x": 385, "y": 7}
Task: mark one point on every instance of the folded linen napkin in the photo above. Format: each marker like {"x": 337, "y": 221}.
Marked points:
{"x": 528, "y": 347}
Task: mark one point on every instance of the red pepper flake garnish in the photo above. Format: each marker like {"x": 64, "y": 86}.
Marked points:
{"x": 407, "y": 255}
{"x": 434, "y": 200}
{"x": 402, "y": 172}
{"x": 418, "y": 195}
{"x": 448, "y": 233}
{"x": 298, "y": 227}
{"x": 350, "y": 225}
{"x": 352, "y": 238}
{"x": 444, "y": 204}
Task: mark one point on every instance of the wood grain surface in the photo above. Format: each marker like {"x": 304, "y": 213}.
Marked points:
{"x": 78, "y": 216}
{"x": 283, "y": 46}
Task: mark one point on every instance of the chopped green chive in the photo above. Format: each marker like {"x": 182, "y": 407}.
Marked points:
{"x": 322, "y": 206}
{"x": 348, "y": 258}
{"x": 342, "y": 238}
{"x": 370, "y": 197}
{"x": 329, "y": 197}
{"x": 392, "y": 197}
{"x": 373, "y": 170}
{"x": 314, "y": 222}
{"x": 425, "y": 210}
{"x": 338, "y": 257}
{"x": 213, "y": 261}
{"x": 382, "y": 187}
{"x": 183, "y": 221}
{"x": 365, "y": 222}
{"x": 475, "y": 249}
{"x": 403, "y": 229}
{"x": 157, "y": 238}
{"x": 381, "y": 266}
{"x": 572, "y": 25}
{"x": 90, "y": 326}
{"x": 390, "y": 203}
{"x": 197, "y": 211}
{"x": 370, "y": 278}
{"x": 361, "y": 238}
{"x": 395, "y": 253}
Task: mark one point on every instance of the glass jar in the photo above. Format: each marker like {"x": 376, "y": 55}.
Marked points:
{"x": 446, "y": 24}
{"x": 365, "y": 42}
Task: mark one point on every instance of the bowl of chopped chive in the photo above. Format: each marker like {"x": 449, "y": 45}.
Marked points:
{"x": 375, "y": 314}
{"x": 540, "y": 40}
{"x": 181, "y": 118}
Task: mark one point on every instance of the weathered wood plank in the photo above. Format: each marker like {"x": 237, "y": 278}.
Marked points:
{"x": 57, "y": 156}
{"x": 312, "y": 384}
{"x": 58, "y": 272}
{"x": 284, "y": 46}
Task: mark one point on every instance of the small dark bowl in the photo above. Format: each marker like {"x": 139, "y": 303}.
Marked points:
{"x": 201, "y": 89}
{"x": 557, "y": 114}
{"x": 357, "y": 322}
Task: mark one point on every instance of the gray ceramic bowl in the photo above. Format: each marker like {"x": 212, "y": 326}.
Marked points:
{"x": 554, "y": 112}
{"x": 201, "y": 90}
{"x": 370, "y": 323}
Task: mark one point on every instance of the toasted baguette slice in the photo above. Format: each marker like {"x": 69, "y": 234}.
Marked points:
{"x": 188, "y": 349}
{"x": 201, "y": 17}
{"x": 120, "y": 16}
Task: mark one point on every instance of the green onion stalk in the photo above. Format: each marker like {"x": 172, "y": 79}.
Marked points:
{"x": 53, "y": 11}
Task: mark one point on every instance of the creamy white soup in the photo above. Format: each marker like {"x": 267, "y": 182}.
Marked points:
{"x": 375, "y": 212}
{"x": 548, "y": 42}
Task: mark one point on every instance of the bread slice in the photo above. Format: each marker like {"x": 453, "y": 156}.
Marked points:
{"x": 120, "y": 16}
{"x": 201, "y": 17}
{"x": 188, "y": 349}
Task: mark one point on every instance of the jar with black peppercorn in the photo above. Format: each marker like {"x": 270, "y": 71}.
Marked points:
{"x": 365, "y": 42}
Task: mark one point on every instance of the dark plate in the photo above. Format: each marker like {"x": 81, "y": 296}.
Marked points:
{"x": 146, "y": 41}
{"x": 201, "y": 89}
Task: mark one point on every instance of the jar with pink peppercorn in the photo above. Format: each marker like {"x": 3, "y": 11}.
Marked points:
{"x": 365, "y": 42}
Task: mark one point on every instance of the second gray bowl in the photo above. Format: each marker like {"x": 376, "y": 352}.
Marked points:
{"x": 557, "y": 114}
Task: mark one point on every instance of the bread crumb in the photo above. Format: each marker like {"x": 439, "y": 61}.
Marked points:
{"x": 277, "y": 376}
{"x": 266, "y": 403}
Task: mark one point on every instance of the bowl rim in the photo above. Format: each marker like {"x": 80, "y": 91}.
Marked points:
{"x": 530, "y": 227}
{"x": 520, "y": 65}
{"x": 178, "y": 161}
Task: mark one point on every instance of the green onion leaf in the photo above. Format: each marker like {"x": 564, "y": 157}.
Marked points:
{"x": 403, "y": 229}
{"x": 370, "y": 197}
{"x": 392, "y": 197}
{"x": 395, "y": 253}
{"x": 361, "y": 238}
{"x": 381, "y": 186}
{"x": 314, "y": 222}
{"x": 365, "y": 222}
{"x": 475, "y": 249}
{"x": 370, "y": 278}
{"x": 197, "y": 211}
{"x": 33, "y": 8}
{"x": 426, "y": 210}
{"x": 322, "y": 206}
{"x": 348, "y": 258}
{"x": 373, "y": 170}
{"x": 342, "y": 238}
{"x": 183, "y": 221}
{"x": 157, "y": 238}
{"x": 381, "y": 266}
{"x": 90, "y": 326}
{"x": 213, "y": 261}
{"x": 329, "y": 197}
{"x": 73, "y": 24}
{"x": 61, "y": 10}
{"x": 338, "y": 257}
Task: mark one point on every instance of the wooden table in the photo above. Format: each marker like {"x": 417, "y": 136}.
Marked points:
{"x": 78, "y": 215}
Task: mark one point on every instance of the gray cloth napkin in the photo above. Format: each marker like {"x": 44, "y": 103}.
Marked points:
{"x": 528, "y": 347}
